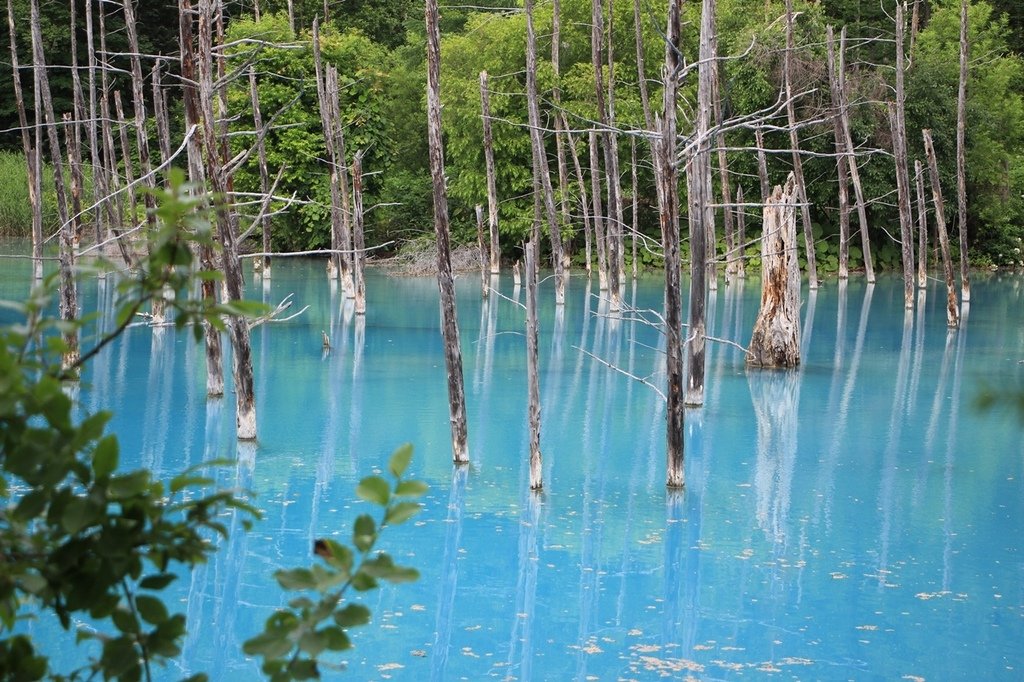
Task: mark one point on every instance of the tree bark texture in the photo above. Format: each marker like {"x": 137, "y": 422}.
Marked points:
{"x": 922, "y": 227}
{"x": 842, "y": 165}
{"x": 858, "y": 189}
{"x": 961, "y": 156}
{"x": 227, "y": 221}
{"x": 794, "y": 141}
{"x": 899, "y": 143}
{"x": 668, "y": 196}
{"x": 532, "y": 370}
{"x": 492, "y": 183}
{"x": 740, "y": 267}
{"x": 337, "y": 136}
{"x": 776, "y": 338}
{"x": 261, "y": 155}
{"x": 952, "y": 309}
{"x": 445, "y": 280}
{"x": 358, "y": 241}
{"x": 207, "y": 261}
{"x": 540, "y": 159}
{"x": 481, "y": 247}
{"x": 597, "y": 211}
{"x": 32, "y": 160}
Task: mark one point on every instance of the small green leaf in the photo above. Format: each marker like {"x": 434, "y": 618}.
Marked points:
{"x": 352, "y": 615}
{"x": 410, "y": 488}
{"x": 125, "y": 621}
{"x": 337, "y": 640}
{"x": 365, "y": 533}
{"x": 151, "y": 609}
{"x": 335, "y": 554}
{"x": 303, "y": 669}
{"x": 296, "y": 579}
{"x": 401, "y": 512}
{"x": 268, "y": 645}
{"x": 104, "y": 457}
{"x": 374, "y": 489}
{"x": 361, "y": 582}
{"x": 400, "y": 459}
{"x": 157, "y": 582}
{"x": 185, "y": 481}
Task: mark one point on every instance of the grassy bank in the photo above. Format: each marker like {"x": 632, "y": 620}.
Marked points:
{"x": 15, "y": 211}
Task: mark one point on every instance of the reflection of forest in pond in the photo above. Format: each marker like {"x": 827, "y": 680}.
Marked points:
{"x": 854, "y": 517}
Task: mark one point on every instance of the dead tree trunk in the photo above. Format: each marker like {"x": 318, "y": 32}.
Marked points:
{"x": 723, "y": 161}
{"x": 952, "y": 309}
{"x": 492, "y": 183}
{"x": 139, "y": 104}
{"x": 129, "y": 165}
{"x": 635, "y": 227}
{"x": 702, "y": 215}
{"x": 556, "y": 102}
{"x": 607, "y": 233}
{"x": 75, "y": 174}
{"x": 261, "y": 155}
{"x": 227, "y": 219}
{"x": 481, "y": 246}
{"x": 358, "y": 242}
{"x": 540, "y": 159}
{"x": 532, "y": 370}
{"x": 741, "y": 235}
{"x": 858, "y": 189}
{"x": 336, "y": 263}
{"x": 68, "y": 305}
{"x": 841, "y": 160}
{"x": 445, "y": 281}
{"x": 584, "y": 201}
{"x": 599, "y": 223}
{"x": 32, "y": 161}
{"x": 961, "y": 156}
{"x": 615, "y": 240}
{"x": 776, "y": 338}
{"x": 163, "y": 123}
{"x": 794, "y": 141}
{"x": 338, "y": 142}
{"x": 899, "y": 131}
{"x": 73, "y": 129}
{"x": 668, "y": 196}
{"x": 762, "y": 165}
{"x": 100, "y": 183}
{"x": 207, "y": 260}
{"x": 922, "y": 227}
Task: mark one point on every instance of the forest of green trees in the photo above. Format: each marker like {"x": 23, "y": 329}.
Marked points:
{"x": 378, "y": 49}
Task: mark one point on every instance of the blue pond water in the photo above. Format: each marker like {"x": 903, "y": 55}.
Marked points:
{"x": 856, "y": 519}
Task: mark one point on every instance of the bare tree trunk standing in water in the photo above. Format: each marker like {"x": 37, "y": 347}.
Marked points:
{"x": 922, "y": 227}
{"x": 776, "y": 338}
{"x": 952, "y": 309}
{"x": 961, "y": 156}
{"x": 227, "y": 220}
{"x": 597, "y": 211}
{"x": 794, "y": 141}
{"x": 445, "y": 281}
{"x": 842, "y": 165}
{"x": 668, "y": 196}
{"x": 532, "y": 369}
{"x": 858, "y": 189}
{"x": 68, "y": 292}
{"x": 261, "y": 154}
{"x": 358, "y": 242}
{"x": 608, "y": 139}
{"x": 32, "y": 159}
{"x": 560, "y": 126}
{"x": 702, "y": 215}
{"x": 540, "y": 159}
{"x": 207, "y": 259}
{"x": 899, "y": 145}
{"x": 492, "y": 183}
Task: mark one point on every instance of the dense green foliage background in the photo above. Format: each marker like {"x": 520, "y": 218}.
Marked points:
{"x": 378, "y": 48}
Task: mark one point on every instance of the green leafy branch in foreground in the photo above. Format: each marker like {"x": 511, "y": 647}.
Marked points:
{"x": 294, "y": 637}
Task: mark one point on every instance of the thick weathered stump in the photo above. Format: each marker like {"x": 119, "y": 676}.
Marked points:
{"x": 776, "y": 338}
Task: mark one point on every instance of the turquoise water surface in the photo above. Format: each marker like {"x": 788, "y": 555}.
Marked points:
{"x": 856, "y": 519}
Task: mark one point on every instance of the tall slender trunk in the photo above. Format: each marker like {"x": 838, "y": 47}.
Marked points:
{"x": 445, "y": 281}
{"x": 961, "y": 156}
{"x": 899, "y": 142}
{"x": 741, "y": 234}
{"x": 532, "y": 370}
{"x": 207, "y": 260}
{"x": 723, "y": 161}
{"x": 599, "y": 222}
{"x": 100, "y": 186}
{"x": 358, "y": 243}
{"x": 841, "y": 160}
{"x": 584, "y": 201}
{"x": 556, "y": 103}
{"x": 668, "y": 197}
{"x": 702, "y": 215}
{"x": 607, "y": 233}
{"x": 492, "y": 183}
{"x": 762, "y": 165}
{"x": 261, "y": 155}
{"x": 338, "y": 137}
{"x": 68, "y": 305}
{"x": 481, "y": 247}
{"x": 794, "y": 141}
{"x": 32, "y": 163}
{"x": 858, "y": 189}
{"x": 952, "y": 309}
{"x": 540, "y": 159}
{"x": 922, "y": 227}
{"x": 73, "y": 127}
{"x": 635, "y": 227}
{"x": 614, "y": 179}
{"x": 227, "y": 222}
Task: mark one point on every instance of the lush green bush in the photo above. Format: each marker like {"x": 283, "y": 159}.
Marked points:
{"x": 15, "y": 210}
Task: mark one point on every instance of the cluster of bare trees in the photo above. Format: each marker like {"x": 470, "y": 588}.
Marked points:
{"x": 201, "y": 74}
